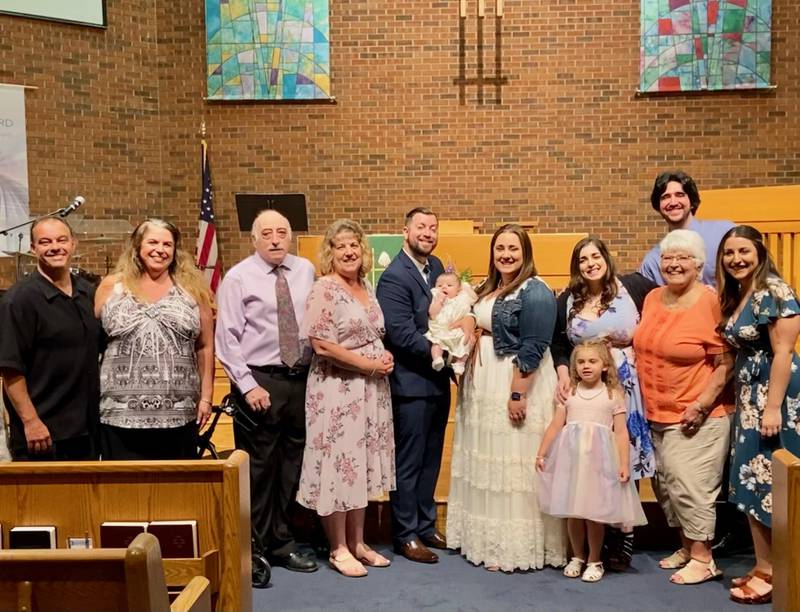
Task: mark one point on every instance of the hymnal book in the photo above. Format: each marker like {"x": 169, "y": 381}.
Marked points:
{"x": 178, "y": 539}
{"x": 119, "y": 534}
{"x": 32, "y": 537}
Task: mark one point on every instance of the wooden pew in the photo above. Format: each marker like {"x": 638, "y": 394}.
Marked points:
{"x": 102, "y": 580}
{"x": 785, "y": 531}
{"x": 77, "y": 497}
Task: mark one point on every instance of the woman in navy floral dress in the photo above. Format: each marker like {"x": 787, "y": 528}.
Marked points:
{"x": 760, "y": 320}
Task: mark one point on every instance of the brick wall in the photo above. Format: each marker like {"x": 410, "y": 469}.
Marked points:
{"x": 563, "y": 141}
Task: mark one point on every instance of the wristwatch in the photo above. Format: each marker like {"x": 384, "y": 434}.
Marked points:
{"x": 516, "y": 396}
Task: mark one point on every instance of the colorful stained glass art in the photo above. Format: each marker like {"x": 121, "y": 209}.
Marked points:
{"x": 694, "y": 45}
{"x": 267, "y": 49}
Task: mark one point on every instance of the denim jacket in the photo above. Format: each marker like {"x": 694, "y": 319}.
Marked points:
{"x": 523, "y": 323}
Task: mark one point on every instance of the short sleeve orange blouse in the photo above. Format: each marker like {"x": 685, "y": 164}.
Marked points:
{"x": 675, "y": 352}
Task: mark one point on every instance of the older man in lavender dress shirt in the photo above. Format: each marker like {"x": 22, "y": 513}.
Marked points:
{"x": 270, "y": 394}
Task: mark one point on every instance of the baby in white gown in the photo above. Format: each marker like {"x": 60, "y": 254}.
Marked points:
{"x": 452, "y": 300}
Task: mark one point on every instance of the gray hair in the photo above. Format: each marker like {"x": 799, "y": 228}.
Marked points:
{"x": 685, "y": 240}
{"x": 268, "y": 213}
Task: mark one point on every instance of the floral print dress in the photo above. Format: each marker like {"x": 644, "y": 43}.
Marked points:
{"x": 617, "y": 325}
{"x": 751, "y": 454}
{"x": 349, "y": 453}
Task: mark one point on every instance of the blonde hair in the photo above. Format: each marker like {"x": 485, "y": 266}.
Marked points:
{"x": 182, "y": 269}
{"x": 609, "y": 377}
{"x": 326, "y": 248}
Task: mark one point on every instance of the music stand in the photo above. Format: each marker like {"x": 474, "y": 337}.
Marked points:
{"x": 290, "y": 205}
{"x": 102, "y": 234}
{"x": 102, "y": 230}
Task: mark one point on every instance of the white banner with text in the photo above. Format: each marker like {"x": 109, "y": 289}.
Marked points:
{"x": 13, "y": 169}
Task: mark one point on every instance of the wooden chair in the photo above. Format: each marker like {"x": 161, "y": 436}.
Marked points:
{"x": 101, "y": 579}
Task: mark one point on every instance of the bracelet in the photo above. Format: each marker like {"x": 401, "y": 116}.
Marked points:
{"x": 204, "y": 400}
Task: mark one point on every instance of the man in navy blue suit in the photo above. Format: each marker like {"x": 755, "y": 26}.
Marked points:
{"x": 420, "y": 396}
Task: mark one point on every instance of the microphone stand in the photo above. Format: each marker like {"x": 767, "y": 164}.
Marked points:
{"x": 4, "y": 232}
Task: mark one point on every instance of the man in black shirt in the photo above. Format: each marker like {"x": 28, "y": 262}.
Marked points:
{"x": 49, "y": 348}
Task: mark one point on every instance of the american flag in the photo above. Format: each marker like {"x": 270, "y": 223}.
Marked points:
{"x": 206, "y": 258}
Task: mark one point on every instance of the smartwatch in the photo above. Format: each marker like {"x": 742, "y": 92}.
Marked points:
{"x": 516, "y": 396}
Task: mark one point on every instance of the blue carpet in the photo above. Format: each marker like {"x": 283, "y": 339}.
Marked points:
{"x": 455, "y": 584}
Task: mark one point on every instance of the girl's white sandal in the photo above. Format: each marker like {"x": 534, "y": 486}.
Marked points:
{"x": 574, "y": 567}
{"x": 593, "y": 572}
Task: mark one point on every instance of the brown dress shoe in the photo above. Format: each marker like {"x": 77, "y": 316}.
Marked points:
{"x": 414, "y": 550}
{"x": 435, "y": 540}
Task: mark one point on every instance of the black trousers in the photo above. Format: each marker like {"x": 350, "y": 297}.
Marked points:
{"x": 123, "y": 443}
{"x": 419, "y": 426}
{"x": 82, "y": 448}
{"x": 275, "y": 440}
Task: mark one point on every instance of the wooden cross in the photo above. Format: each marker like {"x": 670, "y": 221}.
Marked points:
{"x": 481, "y": 79}
{"x": 498, "y": 8}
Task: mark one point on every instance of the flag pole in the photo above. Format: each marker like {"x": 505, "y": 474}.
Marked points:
{"x": 206, "y": 256}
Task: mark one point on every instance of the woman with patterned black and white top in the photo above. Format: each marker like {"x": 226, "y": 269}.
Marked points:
{"x": 156, "y": 376}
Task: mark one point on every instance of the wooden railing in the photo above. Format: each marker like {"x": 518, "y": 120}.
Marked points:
{"x": 469, "y": 251}
{"x": 774, "y": 211}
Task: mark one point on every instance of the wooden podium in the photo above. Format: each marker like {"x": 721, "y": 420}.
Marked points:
{"x": 76, "y": 497}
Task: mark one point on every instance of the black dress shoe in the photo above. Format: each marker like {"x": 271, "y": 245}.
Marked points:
{"x": 295, "y": 562}
{"x": 435, "y": 540}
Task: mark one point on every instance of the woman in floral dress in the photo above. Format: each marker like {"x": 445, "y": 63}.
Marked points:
{"x": 759, "y": 318}
{"x": 349, "y": 454}
{"x": 600, "y": 304}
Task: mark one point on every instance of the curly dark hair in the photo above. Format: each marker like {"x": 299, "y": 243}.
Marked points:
{"x": 677, "y": 176}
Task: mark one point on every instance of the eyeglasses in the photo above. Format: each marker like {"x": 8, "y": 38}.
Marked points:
{"x": 681, "y": 259}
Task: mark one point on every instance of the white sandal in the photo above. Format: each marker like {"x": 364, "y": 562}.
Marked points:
{"x": 574, "y": 567}
{"x": 593, "y": 572}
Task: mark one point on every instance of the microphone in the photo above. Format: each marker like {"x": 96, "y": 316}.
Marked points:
{"x": 74, "y": 205}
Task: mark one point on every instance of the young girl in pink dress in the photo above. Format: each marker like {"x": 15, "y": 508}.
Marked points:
{"x": 583, "y": 460}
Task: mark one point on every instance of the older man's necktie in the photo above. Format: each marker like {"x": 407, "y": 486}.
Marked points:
{"x": 288, "y": 331}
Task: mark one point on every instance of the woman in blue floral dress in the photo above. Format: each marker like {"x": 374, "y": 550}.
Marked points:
{"x": 760, "y": 320}
{"x": 600, "y": 304}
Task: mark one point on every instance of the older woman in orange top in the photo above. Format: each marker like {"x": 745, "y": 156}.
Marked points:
{"x": 684, "y": 367}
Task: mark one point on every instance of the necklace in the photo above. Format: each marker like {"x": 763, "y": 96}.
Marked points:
{"x": 594, "y": 304}
{"x": 590, "y": 397}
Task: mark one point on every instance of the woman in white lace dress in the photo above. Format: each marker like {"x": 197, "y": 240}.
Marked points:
{"x": 505, "y": 404}
{"x": 157, "y": 373}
